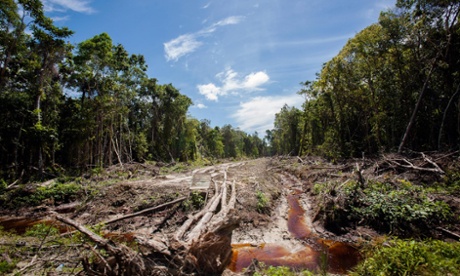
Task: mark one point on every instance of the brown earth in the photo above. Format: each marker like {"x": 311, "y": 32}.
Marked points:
{"x": 268, "y": 190}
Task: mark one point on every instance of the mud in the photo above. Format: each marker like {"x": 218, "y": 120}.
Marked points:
{"x": 302, "y": 248}
{"x": 284, "y": 235}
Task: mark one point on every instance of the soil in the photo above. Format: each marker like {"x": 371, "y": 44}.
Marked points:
{"x": 268, "y": 193}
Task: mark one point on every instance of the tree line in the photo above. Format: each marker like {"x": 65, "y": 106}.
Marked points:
{"x": 393, "y": 87}
{"x": 67, "y": 108}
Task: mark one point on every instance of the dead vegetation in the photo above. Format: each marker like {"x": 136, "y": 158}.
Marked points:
{"x": 146, "y": 225}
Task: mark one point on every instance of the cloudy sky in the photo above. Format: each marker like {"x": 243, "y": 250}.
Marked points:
{"x": 239, "y": 61}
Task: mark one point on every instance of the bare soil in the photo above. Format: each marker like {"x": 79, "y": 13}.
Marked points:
{"x": 263, "y": 188}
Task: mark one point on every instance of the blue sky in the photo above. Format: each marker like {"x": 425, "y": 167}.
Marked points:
{"x": 239, "y": 61}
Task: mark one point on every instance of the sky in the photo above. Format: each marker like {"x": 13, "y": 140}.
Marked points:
{"x": 240, "y": 61}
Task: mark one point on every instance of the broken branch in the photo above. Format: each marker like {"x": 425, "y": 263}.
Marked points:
{"x": 146, "y": 210}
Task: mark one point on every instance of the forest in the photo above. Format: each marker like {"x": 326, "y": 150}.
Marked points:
{"x": 393, "y": 87}
{"x": 104, "y": 172}
{"x": 70, "y": 108}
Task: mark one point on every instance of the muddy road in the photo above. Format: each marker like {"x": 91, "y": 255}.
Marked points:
{"x": 275, "y": 215}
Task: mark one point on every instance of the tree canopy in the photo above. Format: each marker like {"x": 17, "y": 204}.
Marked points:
{"x": 394, "y": 86}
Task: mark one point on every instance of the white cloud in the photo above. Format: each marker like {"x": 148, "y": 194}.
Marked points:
{"x": 258, "y": 114}
{"x": 201, "y": 106}
{"x": 64, "y": 5}
{"x": 181, "y": 46}
{"x": 230, "y": 83}
{"x": 188, "y": 43}
{"x": 210, "y": 91}
{"x": 254, "y": 80}
{"x": 232, "y": 20}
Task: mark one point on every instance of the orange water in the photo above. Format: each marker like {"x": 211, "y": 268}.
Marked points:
{"x": 335, "y": 257}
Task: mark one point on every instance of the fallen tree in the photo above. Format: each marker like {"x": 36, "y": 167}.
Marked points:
{"x": 205, "y": 249}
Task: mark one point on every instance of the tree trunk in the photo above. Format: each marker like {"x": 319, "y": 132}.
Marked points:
{"x": 417, "y": 106}
{"x": 445, "y": 115}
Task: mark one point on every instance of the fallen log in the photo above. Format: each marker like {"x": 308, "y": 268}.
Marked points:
{"x": 439, "y": 170}
{"x": 206, "y": 250}
{"x": 208, "y": 213}
{"x": 188, "y": 223}
{"x": 211, "y": 253}
{"x": 126, "y": 261}
{"x": 148, "y": 210}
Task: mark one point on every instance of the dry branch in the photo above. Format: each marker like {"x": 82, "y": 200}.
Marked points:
{"x": 181, "y": 231}
{"x": 432, "y": 163}
{"x": 92, "y": 236}
{"x": 405, "y": 163}
{"x": 146, "y": 210}
{"x": 126, "y": 261}
{"x": 209, "y": 211}
{"x": 218, "y": 218}
{"x": 449, "y": 233}
{"x": 224, "y": 191}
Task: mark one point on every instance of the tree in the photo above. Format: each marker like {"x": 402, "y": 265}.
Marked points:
{"x": 286, "y": 135}
{"x": 30, "y": 84}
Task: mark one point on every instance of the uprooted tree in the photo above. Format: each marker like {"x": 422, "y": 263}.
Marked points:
{"x": 201, "y": 245}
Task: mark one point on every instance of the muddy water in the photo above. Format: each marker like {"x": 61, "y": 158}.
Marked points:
{"x": 319, "y": 255}
{"x": 20, "y": 225}
{"x": 297, "y": 224}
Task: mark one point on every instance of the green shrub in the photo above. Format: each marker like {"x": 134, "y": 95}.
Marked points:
{"x": 262, "y": 202}
{"x": 400, "y": 209}
{"x": 32, "y": 197}
{"x": 195, "y": 201}
{"x": 400, "y": 257}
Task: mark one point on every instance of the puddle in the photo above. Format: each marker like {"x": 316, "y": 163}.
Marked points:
{"x": 297, "y": 225}
{"x": 274, "y": 255}
{"x": 341, "y": 256}
{"x": 20, "y": 225}
{"x": 319, "y": 255}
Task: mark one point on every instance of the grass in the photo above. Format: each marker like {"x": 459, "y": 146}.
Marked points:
{"x": 409, "y": 257}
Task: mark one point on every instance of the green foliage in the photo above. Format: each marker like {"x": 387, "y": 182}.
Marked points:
{"x": 3, "y": 185}
{"x": 280, "y": 271}
{"x": 41, "y": 231}
{"x": 275, "y": 271}
{"x": 262, "y": 202}
{"x": 364, "y": 98}
{"x": 402, "y": 209}
{"x": 6, "y": 267}
{"x": 401, "y": 257}
{"x": 285, "y": 138}
{"x": 57, "y": 192}
{"x": 450, "y": 183}
{"x": 194, "y": 202}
